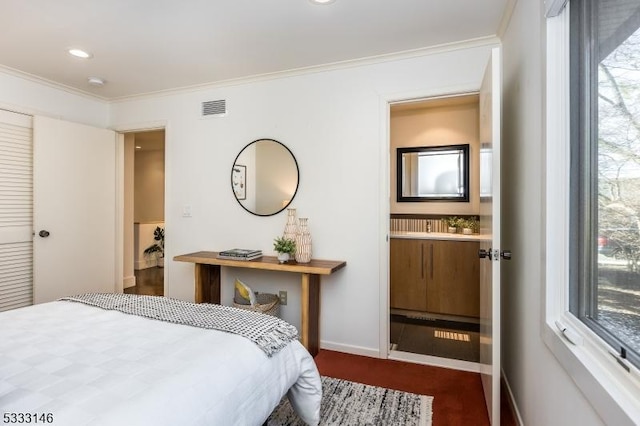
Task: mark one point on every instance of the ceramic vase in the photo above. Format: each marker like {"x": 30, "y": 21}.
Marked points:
{"x": 291, "y": 228}
{"x": 303, "y": 242}
{"x": 283, "y": 257}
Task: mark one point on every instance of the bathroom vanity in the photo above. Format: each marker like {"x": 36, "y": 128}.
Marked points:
{"x": 436, "y": 273}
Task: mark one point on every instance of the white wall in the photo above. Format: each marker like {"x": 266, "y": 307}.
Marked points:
{"x": 148, "y": 186}
{"x": 31, "y": 97}
{"x": 544, "y": 393}
{"x": 331, "y": 121}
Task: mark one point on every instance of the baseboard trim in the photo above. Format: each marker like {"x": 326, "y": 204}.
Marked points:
{"x": 403, "y": 356}
{"x": 350, "y": 349}
{"x": 129, "y": 281}
{"x": 435, "y": 361}
{"x": 512, "y": 401}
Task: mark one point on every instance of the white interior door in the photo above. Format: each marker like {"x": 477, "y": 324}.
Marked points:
{"x": 75, "y": 209}
{"x": 16, "y": 210}
{"x": 490, "y": 97}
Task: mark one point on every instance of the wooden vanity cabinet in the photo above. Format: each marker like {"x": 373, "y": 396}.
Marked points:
{"x": 436, "y": 276}
{"x": 454, "y": 286}
{"x": 408, "y": 275}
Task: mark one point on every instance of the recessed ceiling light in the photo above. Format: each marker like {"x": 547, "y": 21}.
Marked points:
{"x": 322, "y": 1}
{"x": 96, "y": 81}
{"x": 79, "y": 53}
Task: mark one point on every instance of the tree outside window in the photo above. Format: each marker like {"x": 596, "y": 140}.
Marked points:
{"x": 609, "y": 174}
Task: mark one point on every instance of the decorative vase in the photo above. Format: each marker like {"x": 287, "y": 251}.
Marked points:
{"x": 453, "y": 230}
{"x": 283, "y": 257}
{"x": 291, "y": 228}
{"x": 303, "y": 242}
{"x": 467, "y": 231}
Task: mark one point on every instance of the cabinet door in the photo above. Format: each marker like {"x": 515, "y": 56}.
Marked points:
{"x": 408, "y": 274}
{"x": 453, "y": 272}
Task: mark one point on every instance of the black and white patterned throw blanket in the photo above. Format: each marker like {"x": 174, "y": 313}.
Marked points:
{"x": 270, "y": 333}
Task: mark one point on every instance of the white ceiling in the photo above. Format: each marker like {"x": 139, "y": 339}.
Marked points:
{"x": 144, "y": 46}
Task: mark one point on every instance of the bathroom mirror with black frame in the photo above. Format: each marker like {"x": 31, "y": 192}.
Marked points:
{"x": 433, "y": 173}
{"x": 264, "y": 177}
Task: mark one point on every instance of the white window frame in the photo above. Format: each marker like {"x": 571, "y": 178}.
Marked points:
{"x": 613, "y": 392}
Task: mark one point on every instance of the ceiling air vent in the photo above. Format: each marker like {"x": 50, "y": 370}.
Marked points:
{"x": 214, "y": 108}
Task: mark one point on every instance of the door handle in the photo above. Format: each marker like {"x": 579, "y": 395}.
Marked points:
{"x": 431, "y": 260}
{"x": 43, "y": 233}
{"x": 485, "y": 254}
{"x": 489, "y": 254}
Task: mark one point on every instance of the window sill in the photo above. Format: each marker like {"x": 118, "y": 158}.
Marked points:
{"x": 610, "y": 389}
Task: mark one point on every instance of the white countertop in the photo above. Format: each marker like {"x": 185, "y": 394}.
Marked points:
{"x": 435, "y": 236}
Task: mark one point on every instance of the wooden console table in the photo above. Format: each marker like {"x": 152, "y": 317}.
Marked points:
{"x": 207, "y": 283}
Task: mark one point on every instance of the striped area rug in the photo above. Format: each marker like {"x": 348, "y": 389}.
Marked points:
{"x": 349, "y": 403}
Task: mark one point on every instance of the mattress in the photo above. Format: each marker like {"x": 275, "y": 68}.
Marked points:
{"x": 82, "y": 365}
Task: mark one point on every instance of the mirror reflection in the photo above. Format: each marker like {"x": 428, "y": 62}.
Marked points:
{"x": 434, "y": 173}
{"x": 264, "y": 177}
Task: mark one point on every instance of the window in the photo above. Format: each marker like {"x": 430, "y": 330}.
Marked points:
{"x": 604, "y": 248}
{"x": 610, "y": 389}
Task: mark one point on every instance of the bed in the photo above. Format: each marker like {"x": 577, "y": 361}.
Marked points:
{"x": 72, "y": 363}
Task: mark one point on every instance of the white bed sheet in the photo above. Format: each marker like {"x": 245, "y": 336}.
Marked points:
{"x": 88, "y": 366}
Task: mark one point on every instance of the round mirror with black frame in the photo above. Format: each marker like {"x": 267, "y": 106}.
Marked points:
{"x": 264, "y": 177}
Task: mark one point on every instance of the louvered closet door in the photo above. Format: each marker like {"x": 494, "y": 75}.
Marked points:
{"x": 16, "y": 210}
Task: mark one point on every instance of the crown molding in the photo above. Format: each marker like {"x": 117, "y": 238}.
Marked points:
{"x": 50, "y": 83}
{"x": 352, "y": 63}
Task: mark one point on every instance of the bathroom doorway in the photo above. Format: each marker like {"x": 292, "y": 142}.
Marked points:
{"x": 434, "y": 283}
{"x": 488, "y": 195}
{"x": 144, "y": 207}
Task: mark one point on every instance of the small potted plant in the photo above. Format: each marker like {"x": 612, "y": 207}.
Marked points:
{"x": 452, "y": 222}
{"x": 470, "y": 225}
{"x": 474, "y": 225}
{"x": 466, "y": 225}
{"x": 158, "y": 247}
{"x": 285, "y": 248}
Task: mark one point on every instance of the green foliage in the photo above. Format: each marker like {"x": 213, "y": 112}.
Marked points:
{"x": 471, "y": 223}
{"x": 452, "y": 221}
{"x": 284, "y": 245}
{"x": 158, "y": 247}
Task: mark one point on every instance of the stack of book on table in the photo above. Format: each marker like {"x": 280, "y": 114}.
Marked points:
{"x": 240, "y": 254}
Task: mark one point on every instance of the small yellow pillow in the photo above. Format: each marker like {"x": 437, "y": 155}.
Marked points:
{"x": 245, "y": 292}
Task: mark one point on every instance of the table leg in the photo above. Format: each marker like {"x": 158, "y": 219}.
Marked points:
{"x": 310, "y": 313}
{"x": 207, "y": 282}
